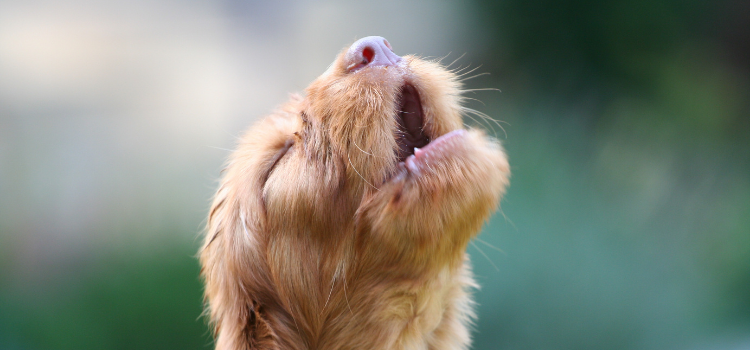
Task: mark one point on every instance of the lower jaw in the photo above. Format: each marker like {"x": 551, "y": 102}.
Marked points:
{"x": 436, "y": 150}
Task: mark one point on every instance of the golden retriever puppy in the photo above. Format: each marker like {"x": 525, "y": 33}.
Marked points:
{"x": 342, "y": 219}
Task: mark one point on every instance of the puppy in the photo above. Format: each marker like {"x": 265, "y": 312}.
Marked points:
{"x": 342, "y": 219}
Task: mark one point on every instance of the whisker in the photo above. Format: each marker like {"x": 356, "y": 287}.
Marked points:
{"x": 485, "y": 117}
{"x": 508, "y": 220}
{"x": 491, "y": 246}
{"x": 347, "y": 298}
{"x": 443, "y": 57}
{"x": 219, "y": 148}
{"x": 460, "y": 70}
{"x": 485, "y": 89}
{"x": 360, "y": 175}
{"x": 470, "y": 71}
{"x": 476, "y": 112}
{"x": 235, "y": 137}
{"x": 473, "y": 99}
{"x": 480, "y": 124}
{"x": 456, "y": 60}
{"x": 467, "y": 112}
{"x": 369, "y": 154}
{"x": 474, "y": 76}
{"x": 485, "y": 255}
{"x": 333, "y": 282}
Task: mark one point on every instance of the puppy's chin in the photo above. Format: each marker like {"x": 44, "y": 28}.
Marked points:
{"x": 342, "y": 219}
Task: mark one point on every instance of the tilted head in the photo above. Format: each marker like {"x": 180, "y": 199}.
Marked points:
{"x": 375, "y": 107}
{"x": 342, "y": 218}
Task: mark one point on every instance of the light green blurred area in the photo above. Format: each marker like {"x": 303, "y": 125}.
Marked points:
{"x": 626, "y": 226}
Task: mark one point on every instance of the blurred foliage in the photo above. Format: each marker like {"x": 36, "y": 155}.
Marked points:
{"x": 626, "y": 226}
{"x": 116, "y": 300}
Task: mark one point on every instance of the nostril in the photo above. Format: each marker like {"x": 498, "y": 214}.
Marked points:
{"x": 371, "y": 51}
{"x": 368, "y": 53}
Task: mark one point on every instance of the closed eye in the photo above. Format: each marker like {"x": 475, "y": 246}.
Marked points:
{"x": 277, "y": 157}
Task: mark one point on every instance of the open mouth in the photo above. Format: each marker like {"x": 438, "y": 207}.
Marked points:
{"x": 411, "y": 123}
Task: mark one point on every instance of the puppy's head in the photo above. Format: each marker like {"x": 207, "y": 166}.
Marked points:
{"x": 297, "y": 219}
{"x": 373, "y": 107}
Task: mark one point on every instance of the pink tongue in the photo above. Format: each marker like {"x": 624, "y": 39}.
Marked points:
{"x": 435, "y": 150}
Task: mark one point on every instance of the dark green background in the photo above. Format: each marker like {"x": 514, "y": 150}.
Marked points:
{"x": 626, "y": 226}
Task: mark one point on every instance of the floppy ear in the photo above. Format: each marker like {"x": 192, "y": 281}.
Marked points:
{"x": 238, "y": 290}
{"x": 227, "y": 268}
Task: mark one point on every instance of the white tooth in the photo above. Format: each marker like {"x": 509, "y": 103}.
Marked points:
{"x": 417, "y": 151}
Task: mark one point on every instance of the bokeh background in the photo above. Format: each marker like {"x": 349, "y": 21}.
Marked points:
{"x": 626, "y": 226}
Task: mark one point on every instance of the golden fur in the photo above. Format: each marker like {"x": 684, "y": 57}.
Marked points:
{"x": 319, "y": 239}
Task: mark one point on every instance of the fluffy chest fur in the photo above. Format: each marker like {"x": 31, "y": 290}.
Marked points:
{"x": 342, "y": 219}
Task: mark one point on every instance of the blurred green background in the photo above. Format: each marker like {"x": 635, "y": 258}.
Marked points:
{"x": 626, "y": 226}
